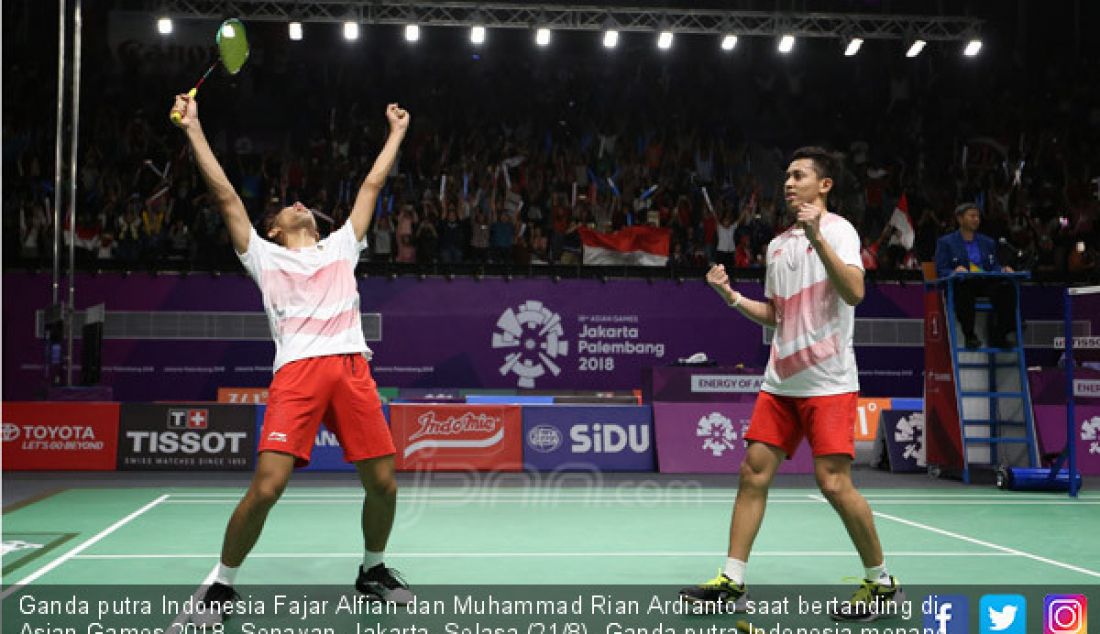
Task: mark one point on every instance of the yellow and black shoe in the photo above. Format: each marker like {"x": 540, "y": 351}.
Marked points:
{"x": 871, "y": 601}
{"x": 720, "y": 589}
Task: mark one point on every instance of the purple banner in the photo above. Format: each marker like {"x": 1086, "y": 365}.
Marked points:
{"x": 904, "y": 434}
{"x": 1048, "y": 386}
{"x": 603, "y": 438}
{"x": 710, "y": 438}
{"x": 434, "y": 333}
{"x": 1050, "y": 423}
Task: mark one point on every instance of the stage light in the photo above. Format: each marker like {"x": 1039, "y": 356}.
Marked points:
{"x": 973, "y": 47}
{"x": 164, "y": 26}
{"x": 542, "y": 37}
{"x": 729, "y": 42}
{"x": 294, "y": 30}
{"x": 786, "y": 44}
{"x": 915, "y": 48}
{"x": 664, "y": 40}
{"x": 853, "y": 46}
{"x": 477, "y": 34}
{"x": 412, "y": 32}
{"x": 610, "y": 38}
{"x": 351, "y": 31}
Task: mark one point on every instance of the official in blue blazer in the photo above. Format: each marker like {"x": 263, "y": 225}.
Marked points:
{"x": 966, "y": 250}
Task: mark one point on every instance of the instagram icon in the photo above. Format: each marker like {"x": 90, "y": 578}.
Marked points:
{"x": 1065, "y": 614}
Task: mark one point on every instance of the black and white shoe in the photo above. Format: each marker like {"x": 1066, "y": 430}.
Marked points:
{"x": 211, "y": 609}
{"x": 384, "y": 584}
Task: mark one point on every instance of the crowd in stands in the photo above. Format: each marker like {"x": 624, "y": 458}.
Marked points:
{"x": 509, "y": 153}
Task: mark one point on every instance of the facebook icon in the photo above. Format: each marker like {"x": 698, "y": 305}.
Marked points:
{"x": 946, "y": 614}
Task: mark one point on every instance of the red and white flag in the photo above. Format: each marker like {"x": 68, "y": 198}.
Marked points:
{"x": 630, "y": 246}
{"x": 904, "y": 233}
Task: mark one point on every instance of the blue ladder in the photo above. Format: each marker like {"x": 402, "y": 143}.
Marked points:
{"x": 993, "y": 427}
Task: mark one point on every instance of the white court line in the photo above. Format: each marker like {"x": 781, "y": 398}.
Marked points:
{"x": 979, "y": 542}
{"x": 620, "y": 493}
{"x": 76, "y": 551}
{"x": 765, "y": 553}
{"x": 542, "y": 500}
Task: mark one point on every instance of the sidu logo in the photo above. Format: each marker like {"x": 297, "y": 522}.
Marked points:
{"x": 609, "y": 438}
{"x": 544, "y": 438}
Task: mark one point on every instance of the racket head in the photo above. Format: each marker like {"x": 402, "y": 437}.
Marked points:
{"x": 232, "y": 45}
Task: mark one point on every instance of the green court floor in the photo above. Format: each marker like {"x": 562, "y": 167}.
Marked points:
{"x": 640, "y": 533}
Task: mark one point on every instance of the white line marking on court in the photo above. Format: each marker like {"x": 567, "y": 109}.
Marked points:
{"x": 979, "y": 542}
{"x": 765, "y": 553}
{"x": 542, "y": 499}
{"x": 564, "y": 493}
{"x": 76, "y": 551}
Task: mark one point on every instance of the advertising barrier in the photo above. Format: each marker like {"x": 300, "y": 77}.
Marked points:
{"x": 41, "y": 436}
{"x": 199, "y": 436}
{"x": 327, "y": 454}
{"x": 710, "y": 438}
{"x": 457, "y": 437}
{"x": 597, "y": 438}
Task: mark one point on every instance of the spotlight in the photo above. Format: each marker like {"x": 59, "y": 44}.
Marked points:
{"x": 664, "y": 40}
{"x": 853, "y": 46}
{"x": 477, "y": 34}
{"x": 412, "y": 32}
{"x": 351, "y": 31}
{"x": 610, "y": 38}
{"x": 786, "y": 43}
{"x": 973, "y": 47}
{"x": 294, "y": 29}
{"x": 728, "y": 42}
{"x": 164, "y": 26}
{"x": 542, "y": 37}
{"x": 915, "y": 48}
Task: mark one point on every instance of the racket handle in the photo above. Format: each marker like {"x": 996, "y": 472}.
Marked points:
{"x": 176, "y": 117}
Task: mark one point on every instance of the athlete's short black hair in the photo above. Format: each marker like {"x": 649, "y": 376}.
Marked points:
{"x": 825, "y": 163}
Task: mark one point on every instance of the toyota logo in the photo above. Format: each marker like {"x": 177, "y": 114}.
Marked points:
{"x": 11, "y": 432}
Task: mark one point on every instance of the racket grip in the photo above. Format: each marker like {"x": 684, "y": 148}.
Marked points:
{"x": 176, "y": 117}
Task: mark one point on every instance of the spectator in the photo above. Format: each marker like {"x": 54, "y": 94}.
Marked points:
{"x": 382, "y": 240}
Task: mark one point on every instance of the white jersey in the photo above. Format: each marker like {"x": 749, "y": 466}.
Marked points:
{"x": 310, "y": 295}
{"x": 812, "y": 352}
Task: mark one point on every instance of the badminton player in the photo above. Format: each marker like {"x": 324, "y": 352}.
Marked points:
{"x": 814, "y": 282}
{"x": 321, "y": 370}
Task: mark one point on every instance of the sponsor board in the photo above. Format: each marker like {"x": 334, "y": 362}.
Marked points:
{"x": 327, "y": 454}
{"x": 597, "y": 438}
{"x": 454, "y": 437}
{"x": 60, "y": 436}
{"x": 159, "y": 437}
{"x": 726, "y": 383}
{"x": 1050, "y": 425}
{"x": 904, "y": 434}
{"x": 710, "y": 438}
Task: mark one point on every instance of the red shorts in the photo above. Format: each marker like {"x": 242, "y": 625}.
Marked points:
{"x": 828, "y": 422}
{"x": 336, "y": 388}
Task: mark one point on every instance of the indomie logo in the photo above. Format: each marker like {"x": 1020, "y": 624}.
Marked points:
{"x": 452, "y": 426}
{"x": 433, "y": 433}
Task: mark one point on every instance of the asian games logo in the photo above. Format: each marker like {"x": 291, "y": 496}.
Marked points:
{"x": 532, "y": 334}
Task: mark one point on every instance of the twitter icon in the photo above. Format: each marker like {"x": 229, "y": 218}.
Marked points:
{"x": 1003, "y": 614}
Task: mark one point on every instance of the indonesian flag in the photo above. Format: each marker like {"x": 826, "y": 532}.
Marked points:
{"x": 903, "y": 225}
{"x": 631, "y": 246}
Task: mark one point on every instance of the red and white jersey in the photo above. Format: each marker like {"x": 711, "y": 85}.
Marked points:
{"x": 812, "y": 352}
{"x": 310, "y": 295}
